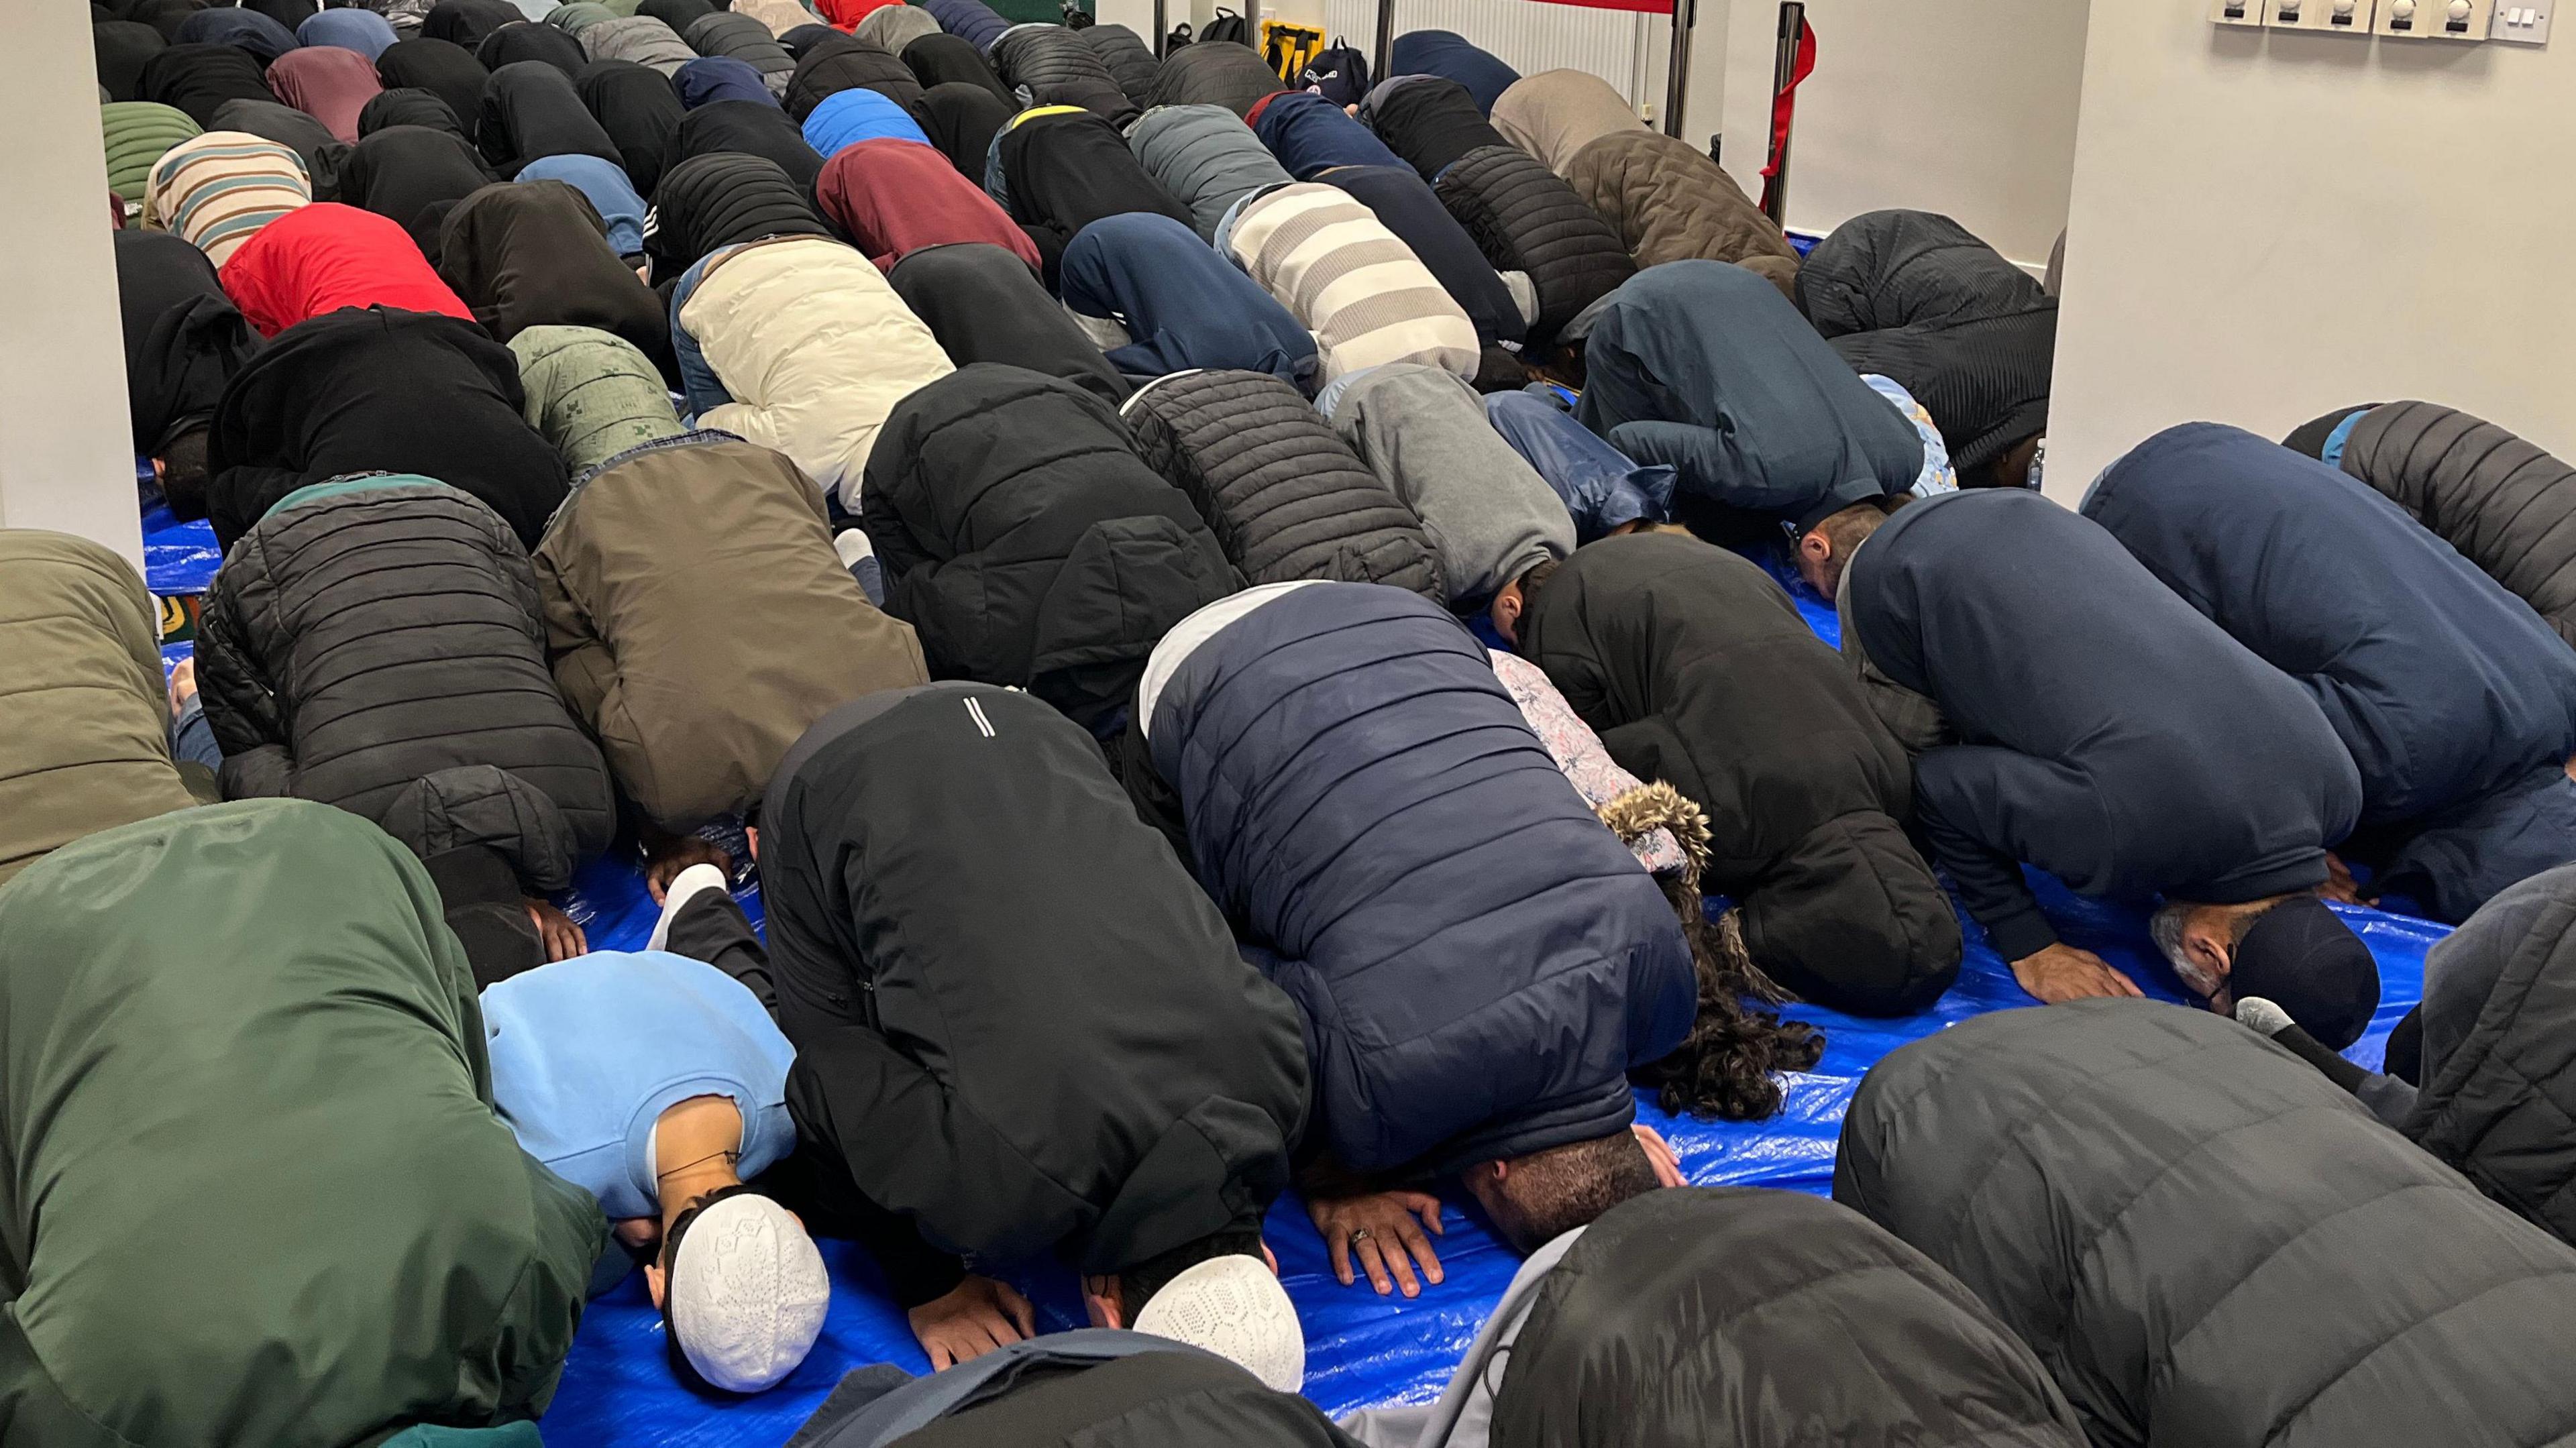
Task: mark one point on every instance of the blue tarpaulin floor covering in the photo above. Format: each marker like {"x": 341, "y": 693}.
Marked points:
{"x": 1362, "y": 1350}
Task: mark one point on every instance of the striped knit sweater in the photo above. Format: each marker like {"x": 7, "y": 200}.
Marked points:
{"x": 219, "y": 188}
{"x": 1363, "y": 293}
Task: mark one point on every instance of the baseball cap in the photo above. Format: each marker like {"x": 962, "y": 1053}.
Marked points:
{"x": 2301, "y": 956}
{"x": 747, "y": 1293}
{"x": 1233, "y": 1306}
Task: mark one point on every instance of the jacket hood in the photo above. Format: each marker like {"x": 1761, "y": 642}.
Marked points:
{"x": 1852, "y": 903}
{"x": 479, "y": 804}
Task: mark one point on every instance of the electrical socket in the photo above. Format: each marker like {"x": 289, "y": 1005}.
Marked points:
{"x": 2435, "y": 19}
{"x": 2238, "y": 12}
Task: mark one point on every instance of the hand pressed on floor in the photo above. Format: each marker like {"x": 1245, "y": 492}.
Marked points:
{"x": 663, "y": 866}
{"x": 1384, "y": 1231}
{"x": 977, "y": 1316}
{"x": 2061, "y": 972}
{"x": 563, "y": 938}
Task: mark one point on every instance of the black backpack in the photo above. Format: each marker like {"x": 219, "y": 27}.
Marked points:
{"x": 1228, "y": 26}
{"x": 1340, "y": 71}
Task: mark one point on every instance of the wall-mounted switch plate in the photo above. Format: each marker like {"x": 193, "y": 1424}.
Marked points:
{"x": 2238, "y": 12}
{"x": 2341, "y": 17}
{"x": 2435, "y": 19}
{"x": 2518, "y": 23}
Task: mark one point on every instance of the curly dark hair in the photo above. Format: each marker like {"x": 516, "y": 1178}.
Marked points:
{"x": 1725, "y": 1068}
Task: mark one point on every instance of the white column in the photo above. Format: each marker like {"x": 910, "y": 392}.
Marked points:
{"x": 66, "y": 450}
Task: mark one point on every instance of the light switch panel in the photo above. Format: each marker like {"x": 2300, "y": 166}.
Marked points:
{"x": 2521, "y": 24}
{"x": 2435, "y": 19}
{"x": 2237, "y": 12}
{"x": 2342, "y": 17}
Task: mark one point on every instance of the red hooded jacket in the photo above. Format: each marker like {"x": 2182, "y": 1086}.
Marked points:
{"x": 892, "y": 198}
{"x": 326, "y": 256}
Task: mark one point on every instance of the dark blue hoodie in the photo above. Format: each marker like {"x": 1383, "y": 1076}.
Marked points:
{"x": 2449, "y": 693}
{"x": 1705, "y": 366}
{"x": 1186, "y": 305}
{"x": 2107, "y": 732}
{"x": 1453, "y": 56}
{"x": 1310, "y": 134}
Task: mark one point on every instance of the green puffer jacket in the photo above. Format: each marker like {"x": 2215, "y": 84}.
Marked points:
{"x": 255, "y": 1193}
{"x": 592, "y": 393}
{"x": 137, "y": 133}
{"x": 84, "y": 724}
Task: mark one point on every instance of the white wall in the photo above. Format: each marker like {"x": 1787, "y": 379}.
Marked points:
{"x": 2269, "y": 225}
{"x": 1965, "y": 107}
{"x": 66, "y": 453}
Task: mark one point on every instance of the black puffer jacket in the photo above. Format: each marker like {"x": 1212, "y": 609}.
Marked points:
{"x": 1131, "y": 62}
{"x": 1285, "y": 495}
{"x": 1026, "y": 541}
{"x": 1215, "y": 73}
{"x": 2509, "y": 507}
{"x": 1056, "y": 68}
{"x": 374, "y": 644}
{"x": 1428, "y": 121}
{"x": 1733, "y": 1315}
{"x": 2498, "y": 1099}
{"x": 716, "y": 200}
{"x": 740, "y": 37}
{"x": 826, "y": 71}
{"x": 956, "y": 1071}
{"x": 1697, "y": 670}
{"x": 357, "y": 391}
{"x": 1918, "y": 298}
{"x": 1526, "y": 219}
{"x": 2206, "y": 1242}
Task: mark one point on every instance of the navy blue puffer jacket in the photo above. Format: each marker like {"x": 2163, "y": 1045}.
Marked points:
{"x": 1478, "y": 959}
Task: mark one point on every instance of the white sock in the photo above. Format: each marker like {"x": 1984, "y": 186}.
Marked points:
{"x": 692, "y": 882}
{"x": 853, "y": 545}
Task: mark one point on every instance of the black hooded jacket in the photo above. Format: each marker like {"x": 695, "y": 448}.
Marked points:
{"x": 375, "y": 644}
{"x": 750, "y": 128}
{"x": 411, "y": 106}
{"x": 1526, "y": 219}
{"x": 1066, "y": 171}
{"x": 350, "y": 392}
{"x": 635, "y": 105}
{"x": 1215, "y": 73}
{"x": 1916, "y": 297}
{"x": 715, "y": 200}
{"x": 1430, "y": 122}
{"x": 1736, "y": 1315}
{"x": 1698, "y": 671}
{"x": 184, "y": 339}
{"x": 200, "y": 78}
{"x": 742, "y": 38}
{"x": 531, "y": 110}
{"x": 1056, "y": 68}
{"x": 534, "y": 254}
{"x": 828, "y": 70}
{"x": 468, "y": 23}
{"x": 982, "y": 305}
{"x": 123, "y": 48}
{"x": 1286, "y": 497}
{"x": 401, "y": 172}
{"x": 444, "y": 69}
{"x": 2206, "y": 1242}
{"x": 961, "y": 119}
{"x": 514, "y": 43}
{"x": 937, "y": 60}
{"x": 1026, "y": 541}
{"x": 1116, "y": 1085}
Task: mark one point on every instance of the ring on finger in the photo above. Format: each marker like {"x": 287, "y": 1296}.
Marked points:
{"x": 1362, "y": 1235}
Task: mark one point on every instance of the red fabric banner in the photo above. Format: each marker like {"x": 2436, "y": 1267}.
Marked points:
{"x": 1647, "y": 7}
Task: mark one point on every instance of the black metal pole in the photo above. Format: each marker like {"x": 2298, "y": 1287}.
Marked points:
{"x": 1784, "y": 74}
{"x": 1677, "y": 78}
{"x": 1162, "y": 29}
{"x": 1385, "y": 40}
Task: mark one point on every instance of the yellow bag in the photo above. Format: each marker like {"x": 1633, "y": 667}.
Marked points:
{"x": 1288, "y": 48}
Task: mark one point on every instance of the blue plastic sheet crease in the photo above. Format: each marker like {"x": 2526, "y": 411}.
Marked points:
{"x": 1362, "y": 1350}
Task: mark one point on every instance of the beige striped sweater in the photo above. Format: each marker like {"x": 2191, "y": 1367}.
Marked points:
{"x": 1363, "y": 293}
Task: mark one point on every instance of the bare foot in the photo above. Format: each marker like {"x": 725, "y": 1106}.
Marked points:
{"x": 183, "y": 686}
